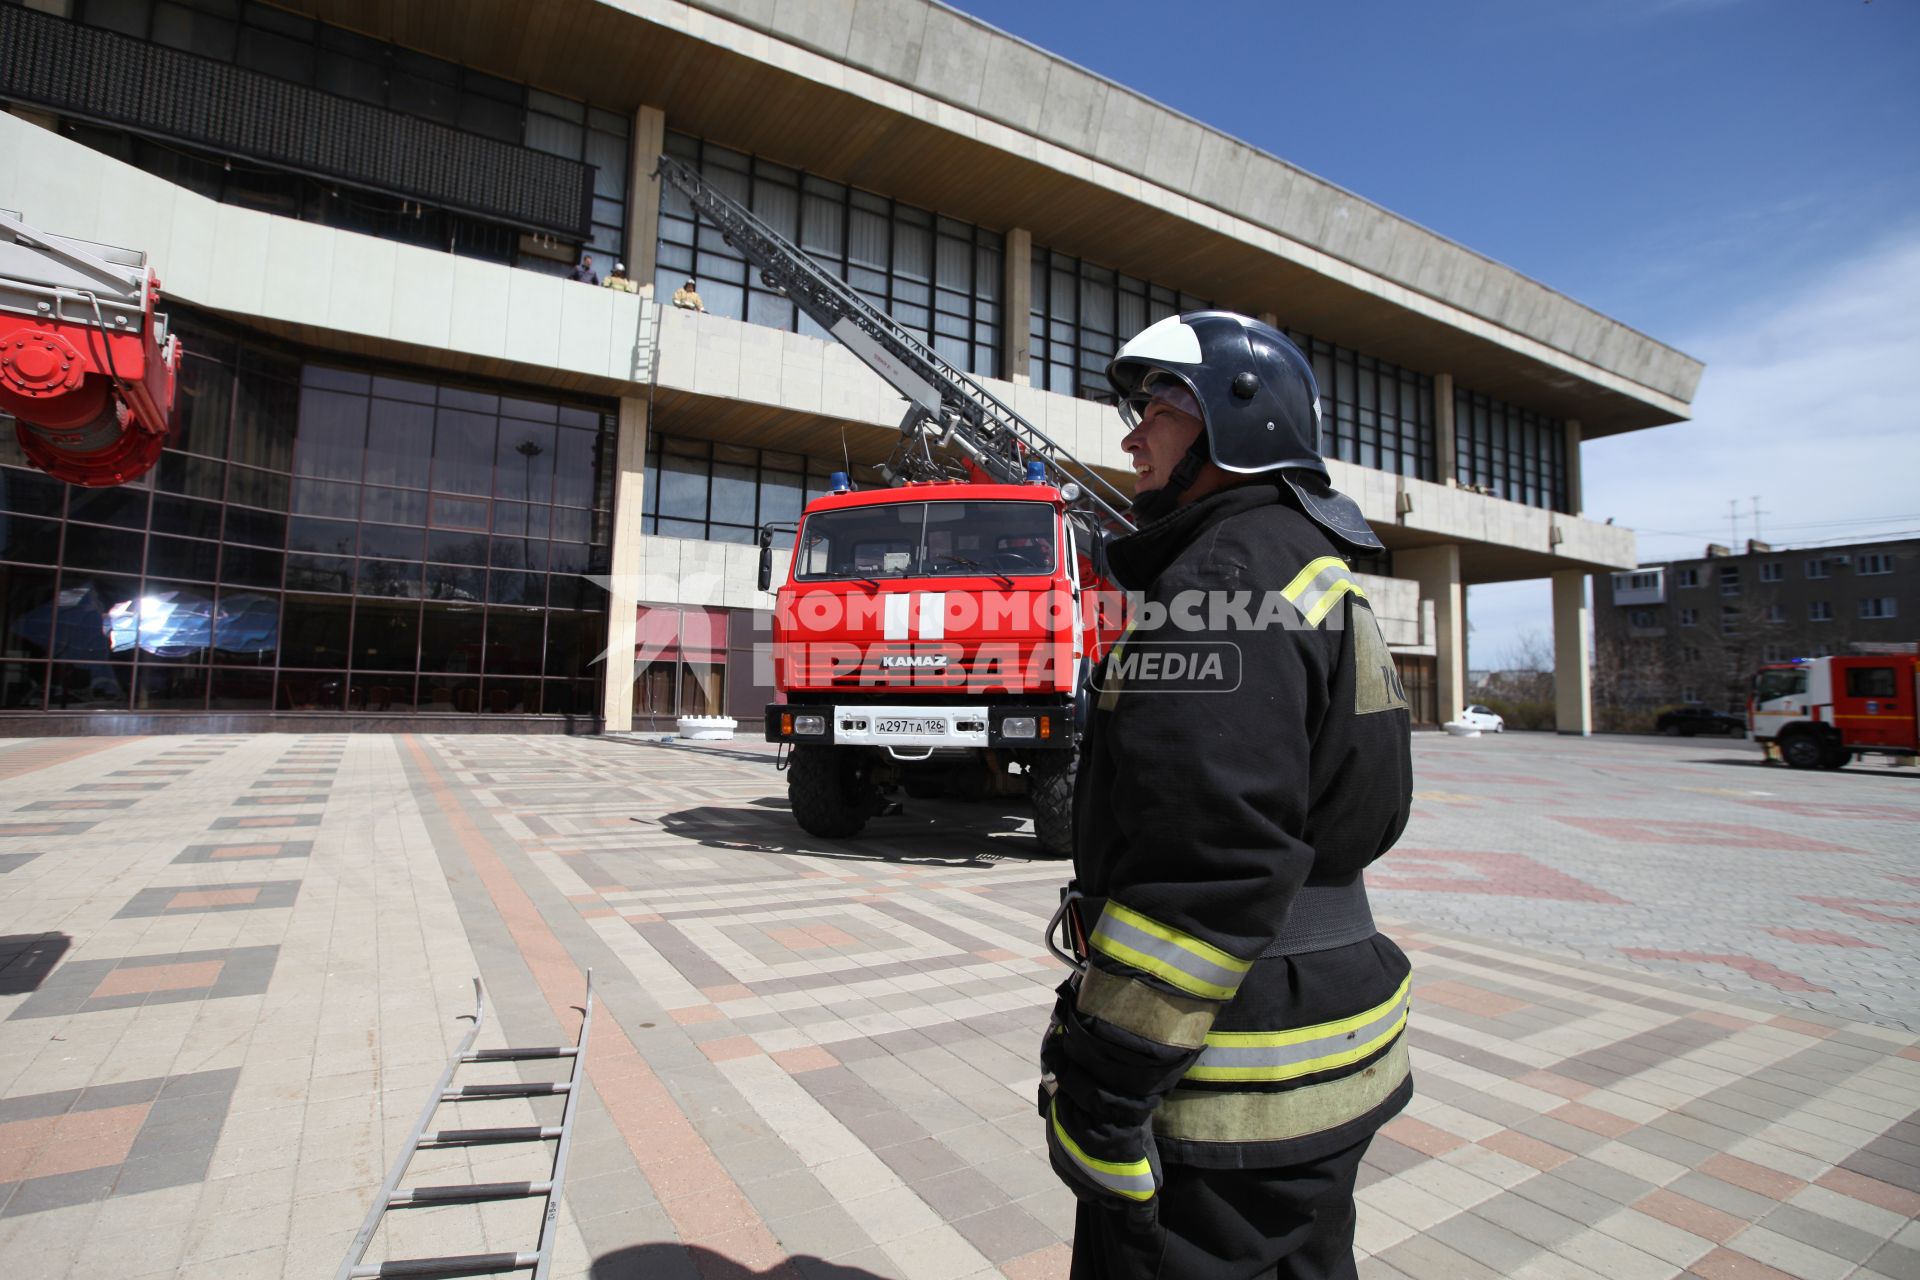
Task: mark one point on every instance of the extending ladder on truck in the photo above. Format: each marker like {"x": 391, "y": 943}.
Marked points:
{"x": 393, "y": 1197}
{"x": 947, "y": 410}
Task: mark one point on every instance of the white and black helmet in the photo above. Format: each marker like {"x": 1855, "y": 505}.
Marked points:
{"x": 1256, "y": 395}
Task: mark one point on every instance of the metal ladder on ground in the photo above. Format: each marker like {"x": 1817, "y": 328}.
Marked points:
{"x": 393, "y": 1197}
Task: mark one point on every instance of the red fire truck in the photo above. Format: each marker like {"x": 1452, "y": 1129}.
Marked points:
{"x": 87, "y": 366}
{"x": 935, "y": 634}
{"x": 1820, "y": 713}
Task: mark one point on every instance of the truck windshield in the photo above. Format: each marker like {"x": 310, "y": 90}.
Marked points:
{"x": 926, "y": 539}
{"x": 1769, "y": 685}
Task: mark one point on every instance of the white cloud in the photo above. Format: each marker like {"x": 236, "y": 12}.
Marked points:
{"x": 1811, "y": 401}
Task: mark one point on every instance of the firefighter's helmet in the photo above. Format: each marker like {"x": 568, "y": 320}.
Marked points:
{"x": 1257, "y": 399}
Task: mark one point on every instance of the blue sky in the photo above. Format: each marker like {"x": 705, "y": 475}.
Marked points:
{"x": 1738, "y": 178}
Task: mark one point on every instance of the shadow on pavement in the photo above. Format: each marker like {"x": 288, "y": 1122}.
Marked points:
{"x": 761, "y": 827}
{"x": 1852, "y": 770}
{"x": 27, "y": 958}
{"x": 648, "y": 1261}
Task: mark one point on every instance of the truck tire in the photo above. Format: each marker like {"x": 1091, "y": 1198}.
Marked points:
{"x": 1833, "y": 755}
{"x": 1050, "y": 787}
{"x": 1803, "y": 751}
{"x": 829, "y": 791}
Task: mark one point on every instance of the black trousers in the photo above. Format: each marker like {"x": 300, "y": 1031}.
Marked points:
{"x": 1292, "y": 1223}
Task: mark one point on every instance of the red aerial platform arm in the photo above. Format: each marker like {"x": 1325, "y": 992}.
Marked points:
{"x": 87, "y": 367}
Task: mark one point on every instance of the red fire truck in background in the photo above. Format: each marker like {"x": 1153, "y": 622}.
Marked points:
{"x": 1820, "y": 713}
{"x": 935, "y": 634}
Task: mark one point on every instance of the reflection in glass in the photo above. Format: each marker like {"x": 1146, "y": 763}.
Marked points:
{"x": 170, "y": 688}
{"x": 241, "y": 690}
{"x": 246, "y": 625}
{"x": 311, "y": 691}
{"x": 313, "y": 631}
{"x": 450, "y": 638}
{"x": 89, "y": 686}
{"x": 380, "y": 693}
{"x": 23, "y": 686}
{"x": 449, "y": 693}
{"x": 23, "y": 591}
{"x": 386, "y": 637}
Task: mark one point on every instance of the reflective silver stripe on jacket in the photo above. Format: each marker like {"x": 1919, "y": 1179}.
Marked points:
{"x": 1179, "y": 959}
{"x": 1267, "y": 1056}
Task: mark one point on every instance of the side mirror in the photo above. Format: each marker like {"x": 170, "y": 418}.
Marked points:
{"x": 766, "y": 559}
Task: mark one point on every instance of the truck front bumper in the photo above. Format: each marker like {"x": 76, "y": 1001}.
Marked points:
{"x": 1038, "y": 726}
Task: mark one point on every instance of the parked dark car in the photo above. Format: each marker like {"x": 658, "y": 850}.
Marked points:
{"x": 1685, "y": 722}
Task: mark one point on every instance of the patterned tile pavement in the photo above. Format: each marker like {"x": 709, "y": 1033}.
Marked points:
{"x": 1664, "y": 1026}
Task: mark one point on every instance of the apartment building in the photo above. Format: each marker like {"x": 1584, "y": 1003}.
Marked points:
{"x": 422, "y": 476}
{"x": 1694, "y": 631}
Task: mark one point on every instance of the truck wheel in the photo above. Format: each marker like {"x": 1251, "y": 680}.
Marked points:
{"x": 1834, "y": 756}
{"x": 1050, "y": 787}
{"x": 1803, "y": 751}
{"x": 829, "y": 791}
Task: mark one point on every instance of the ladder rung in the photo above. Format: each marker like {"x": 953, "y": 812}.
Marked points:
{"x": 539, "y": 1089}
{"x": 478, "y": 1137}
{"x": 518, "y": 1055}
{"x": 467, "y": 1264}
{"x": 471, "y": 1193}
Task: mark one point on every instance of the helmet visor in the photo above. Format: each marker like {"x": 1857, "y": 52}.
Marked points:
{"x": 1158, "y": 385}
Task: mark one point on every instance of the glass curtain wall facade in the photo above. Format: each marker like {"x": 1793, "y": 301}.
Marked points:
{"x": 302, "y": 51}
{"x": 1372, "y": 412}
{"x": 938, "y": 277}
{"x": 323, "y": 537}
{"x": 722, "y": 492}
{"x": 1079, "y": 315}
{"x": 1511, "y": 452}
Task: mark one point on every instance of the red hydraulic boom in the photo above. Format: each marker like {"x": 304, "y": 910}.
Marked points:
{"x": 87, "y": 367}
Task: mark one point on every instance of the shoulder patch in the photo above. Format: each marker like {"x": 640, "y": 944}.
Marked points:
{"x": 1376, "y": 682}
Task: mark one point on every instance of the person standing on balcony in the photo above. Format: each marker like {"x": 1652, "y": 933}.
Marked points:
{"x": 619, "y": 281}
{"x": 584, "y": 271}
{"x": 687, "y": 298}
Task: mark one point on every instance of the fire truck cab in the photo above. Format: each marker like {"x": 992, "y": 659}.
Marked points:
{"x": 1820, "y": 713}
{"x": 932, "y": 638}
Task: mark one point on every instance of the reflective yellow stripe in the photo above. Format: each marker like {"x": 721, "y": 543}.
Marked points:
{"x": 1148, "y": 1012}
{"x": 1319, "y": 586}
{"x": 1131, "y": 1178}
{"x": 1196, "y": 1116}
{"x": 1271, "y": 1056}
{"x": 1179, "y": 959}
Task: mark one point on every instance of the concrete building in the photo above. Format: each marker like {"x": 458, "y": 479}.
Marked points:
{"x": 1694, "y": 631}
{"x": 407, "y": 436}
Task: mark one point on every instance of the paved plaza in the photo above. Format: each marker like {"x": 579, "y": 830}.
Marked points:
{"x": 1665, "y": 1012}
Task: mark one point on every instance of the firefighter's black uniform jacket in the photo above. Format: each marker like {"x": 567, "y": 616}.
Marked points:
{"x": 1200, "y": 815}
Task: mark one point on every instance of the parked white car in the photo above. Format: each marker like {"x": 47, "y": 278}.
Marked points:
{"x": 1482, "y": 719}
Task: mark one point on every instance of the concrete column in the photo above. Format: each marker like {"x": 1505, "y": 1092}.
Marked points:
{"x": 1444, "y": 455}
{"x": 1576, "y": 498}
{"x": 643, "y": 194}
{"x": 1437, "y": 570}
{"x": 629, "y": 497}
{"x": 1017, "y": 300}
{"x": 1572, "y": 654}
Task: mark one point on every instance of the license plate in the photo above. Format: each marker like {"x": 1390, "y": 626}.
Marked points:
{"x": 910, "y": 726}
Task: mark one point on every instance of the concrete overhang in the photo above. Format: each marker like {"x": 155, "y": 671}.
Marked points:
{"x": 935, "y": 108}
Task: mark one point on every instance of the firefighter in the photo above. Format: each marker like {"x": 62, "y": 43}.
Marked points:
{"x": 1235, "y": 1034}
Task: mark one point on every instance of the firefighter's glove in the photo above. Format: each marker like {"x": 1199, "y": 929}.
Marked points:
{"x": 1112, "y": 1166}
{"x": 1107, "y": 1069}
